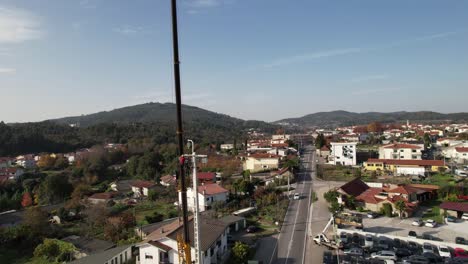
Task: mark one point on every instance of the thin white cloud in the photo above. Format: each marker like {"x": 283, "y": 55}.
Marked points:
{"x": 376, "y": 91}
{"x": 311, "y": 56}
{"x": 7, "y": 71}
{"x": 128, "y": 30}
{"x": 346, "y": 51}
{"x": 17, "y": 25}
{"x": 195, "y": 6}
{"x": 369, "y": 78}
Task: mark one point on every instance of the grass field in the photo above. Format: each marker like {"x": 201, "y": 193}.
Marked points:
{"x": 149, "y": 208}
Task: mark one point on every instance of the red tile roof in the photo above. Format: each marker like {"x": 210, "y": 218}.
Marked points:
{"x": 211, "y": 189}
{"x": 354, "y": 187}
{"x": 368, "y": 196}
{"x": 402, "y": 146}
{"x": 168, "y": 179}
{"x": 324, "y": 148}
{"x": 408, "y": 162}
{"x": 143, "y": 184}
{"x": 206, "y": 175}
{"x": 405, "y": 189}
{"x": 102, "y": 196}
{"x": 461, "y": 149}
{"x": 455, "y": 206}
{"x": 280, "y": 145}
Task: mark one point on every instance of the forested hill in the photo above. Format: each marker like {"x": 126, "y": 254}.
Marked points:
{"x": 150, "y": 113}
{"x": 344, "y": 118}
{"x": 152, "y": 123}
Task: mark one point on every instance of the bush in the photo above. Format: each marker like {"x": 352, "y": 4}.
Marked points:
{"x": 156, "y": 217}
{"x": 387, "y": 210}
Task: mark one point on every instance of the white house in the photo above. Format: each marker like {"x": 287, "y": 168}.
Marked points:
{"x": 161, "y": 245}
{"x": 5, "y": 162}
{"x": 207, "y": 195}
{"x": 142, "y": 188}
{"x": 12, "y": 173}
{"x": 342, "y": 153}
{"x": 400, "y": 151}
{"x": 261, "y": 161}
{"x": 226, "y": 146}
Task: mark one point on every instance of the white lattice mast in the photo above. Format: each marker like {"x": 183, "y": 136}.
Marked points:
{"x": 196, "y": 210}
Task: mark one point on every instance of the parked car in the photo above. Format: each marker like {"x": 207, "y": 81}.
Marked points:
{"x": 369, "y": 241}
{"x": 465, "y": 216}
{"x": 354, "y": 251}
{"x": 451, "y": 219}
{"x": 430, "y": 223}
{"x": 344, "y": 237}
{"x": 444, "y": 251}
{"x": 412, "y": 234}
{"x": 460, "y": 240}
{"x": 417, "y": 222}
{"x": 428, "y": 248}
{"x": 383, "y": 243}
{"x": 372, "y": 215}
{"x": 433, "y": 257}
{"x": 413, "y": 246}
{"x": 415, "y": 259}
{"x": 460, "y": 253}
{"x": 297, "y": 196}
{"x": 327, "y": 258}
{"x": 398, "y": 243}
{"x": 403, "y": 252}
{"x": 251, "y": 229}
{"x": 384, "y": 254}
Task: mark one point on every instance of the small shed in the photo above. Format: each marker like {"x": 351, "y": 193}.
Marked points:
{"x": 235, "y": 223}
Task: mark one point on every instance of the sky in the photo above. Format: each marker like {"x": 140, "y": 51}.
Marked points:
{"x": 252, "y": 59}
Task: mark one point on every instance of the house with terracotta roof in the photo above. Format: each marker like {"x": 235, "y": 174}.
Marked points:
{"x": 405, "y": 167}
{"x": 206, "y": 177}
{"x": 104, "y": 197}
{"x": 161, "y": 245}
{"x": 207, "y": 195}
{"x": 400, "y": 151}
{"x": 261, "y": 161}
{"x": 168, "y": 180}
{"x": 142, "y": 188}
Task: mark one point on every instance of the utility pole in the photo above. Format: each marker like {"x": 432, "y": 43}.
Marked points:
{"x": 184, "y": 248}
{"x": 196, "y": 210}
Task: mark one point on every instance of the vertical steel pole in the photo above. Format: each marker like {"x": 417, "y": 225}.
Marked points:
{"x": 181, "y": 176}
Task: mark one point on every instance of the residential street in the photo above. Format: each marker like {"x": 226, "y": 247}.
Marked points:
{"x": 289, "y": 246}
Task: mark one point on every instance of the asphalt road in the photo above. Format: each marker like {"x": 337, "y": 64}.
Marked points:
{"x": 292, "y": 240}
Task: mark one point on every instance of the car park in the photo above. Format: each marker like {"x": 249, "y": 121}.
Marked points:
{"x": 430, "y": 223}
{"x": 432, "y": 257}
{"x": 344, "y": 237}
{"x": 328, "y": 258}
{"x": 417, "y": 222}
{"x": 413, "y": 246}
{"x": 415, "y": 259}
{"x": 383, "y": 243}
{"x": 384, "y": 254}
{"x": 444, "y": 251}
{"x": 403, "y": 252}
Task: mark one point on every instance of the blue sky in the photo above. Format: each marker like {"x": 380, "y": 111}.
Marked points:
{"x": 253, "y": 59}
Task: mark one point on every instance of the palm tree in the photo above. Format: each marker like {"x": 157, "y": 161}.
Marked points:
{"x": 400, "y": 205}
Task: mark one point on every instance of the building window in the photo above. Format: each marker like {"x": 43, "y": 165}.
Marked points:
{"x": 414, "y": 157}
{"x": 401, "y": 150}
{"x": 148, "y": 256}
{"x": 402, "y": 157}
{"x": 414, "y": 151}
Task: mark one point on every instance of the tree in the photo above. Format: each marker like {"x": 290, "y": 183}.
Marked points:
{"x": 387, "y": 209}
{"x": 36, "y": 220}
{"x": 240, "y": 252}
{"x": 46, "y": 162}
{"x": 427, "y": 140}
{"x": 335, "y": 207}
{"x": 54, "y": 188}
{"x": 400, "y": 205}
{"x": 292, "y": 164}
{"x": 27, "y": 200}
{"x": 81, "y": 190}
{"x": 331, "y": 196}
{"x": 54, "y": 250}
{"x": 61, "y": 163}
{"x": 156, "y": 217}
{"x": 375, "y": 127}
{"x": 320, "y": 141}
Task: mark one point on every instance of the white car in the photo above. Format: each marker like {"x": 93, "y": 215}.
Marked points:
{"x": 444, "y": 252}
{"x": 297, "y": 196}
{"x": 417, "y": 222}
{"x": 430, "y": 223}
{"x": 369, "y": 241}
{"x": 465, "y": 216}
{"x": 384, "y": 254}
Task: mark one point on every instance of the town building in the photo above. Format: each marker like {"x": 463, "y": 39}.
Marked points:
{"x": 168, "y": 180}
{"x": 207, "y": 195}
{"x": 142, "y": 188}
{"x": 261, "y": 161}
{"x": 104, "y": 197}
{"x": 400, "y": 151}
{"x": 342, "y": 153}
{"x": 405, "y": 167}
{"x": 161, "y": 245}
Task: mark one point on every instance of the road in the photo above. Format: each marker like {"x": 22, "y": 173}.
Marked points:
{"x": 292, "y": 240}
